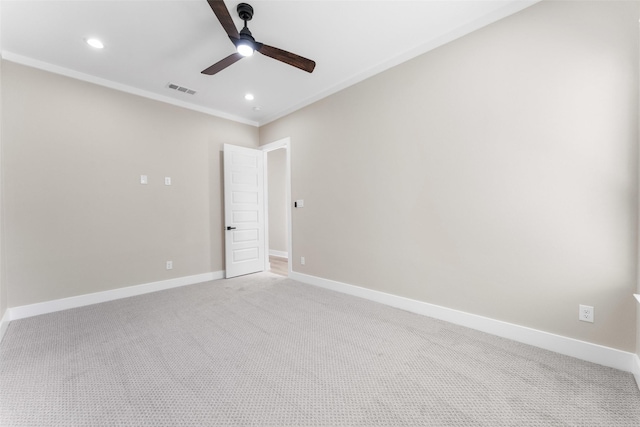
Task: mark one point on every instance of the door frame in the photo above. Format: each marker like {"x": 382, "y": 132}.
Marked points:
{"x": 276, "y": 145}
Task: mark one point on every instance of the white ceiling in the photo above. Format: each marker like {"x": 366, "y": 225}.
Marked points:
{"x": 149, "y": 43}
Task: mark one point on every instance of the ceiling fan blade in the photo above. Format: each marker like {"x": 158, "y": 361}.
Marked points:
{"x": 222, "y": 64}
{"x": 222, "y": 13}
{"x": 287, "y": 57}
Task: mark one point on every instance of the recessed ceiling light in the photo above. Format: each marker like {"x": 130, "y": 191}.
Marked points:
{"x": 249, "y": 97}
{"x": 93, "y": 42}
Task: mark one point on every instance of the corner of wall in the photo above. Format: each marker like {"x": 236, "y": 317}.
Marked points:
{"x": 4, "y": 323}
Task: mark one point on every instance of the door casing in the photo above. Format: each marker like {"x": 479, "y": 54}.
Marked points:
{"x": 284, "y": 143}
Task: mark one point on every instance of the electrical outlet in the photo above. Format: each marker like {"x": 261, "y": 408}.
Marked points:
{"x": 143, "y": 179}
{"x": 586, "y": 313}
{"x": 301, "y": 260}
{"x": 169, "y": 265}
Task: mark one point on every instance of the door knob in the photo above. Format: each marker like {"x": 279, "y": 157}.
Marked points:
{"x": 231, "y": 228}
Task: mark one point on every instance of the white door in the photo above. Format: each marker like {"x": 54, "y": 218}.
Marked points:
{"x": 244, "y": 210}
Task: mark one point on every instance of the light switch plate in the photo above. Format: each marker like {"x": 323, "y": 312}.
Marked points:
{"x": 167, "y": 180}
{"x": 143, "y": 179}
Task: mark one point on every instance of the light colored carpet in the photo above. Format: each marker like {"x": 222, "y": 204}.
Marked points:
{"x": 263, "y": 350}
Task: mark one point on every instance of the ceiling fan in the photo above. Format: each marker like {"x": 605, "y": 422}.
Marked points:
{"x": 245, "y": 43}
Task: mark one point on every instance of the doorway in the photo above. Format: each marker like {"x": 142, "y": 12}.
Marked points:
{"x": 278, "y": 205}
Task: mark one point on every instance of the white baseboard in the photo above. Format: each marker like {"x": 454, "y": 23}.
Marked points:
{"x": 30, "y": 310}
{"x": 279, "y": 254}
{"x": 583, "y": 350}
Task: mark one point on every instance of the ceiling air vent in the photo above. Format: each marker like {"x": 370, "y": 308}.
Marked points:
{"x": 181, "y": 88}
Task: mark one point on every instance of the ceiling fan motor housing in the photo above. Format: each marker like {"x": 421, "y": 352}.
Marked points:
{"x": 245, "y": 34}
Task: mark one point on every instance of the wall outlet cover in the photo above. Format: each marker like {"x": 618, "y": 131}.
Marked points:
{"x": 586, "y": 313}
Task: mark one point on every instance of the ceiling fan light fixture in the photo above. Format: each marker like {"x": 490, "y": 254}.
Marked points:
{"x": 95, "y": 43}
{"x": 244, "y": 48}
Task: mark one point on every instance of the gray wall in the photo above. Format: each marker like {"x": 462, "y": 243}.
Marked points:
{"x": 77, "y": 219}
{"x": 496, "y": 175}
{"x": 276, "y": 168}
{"x": 3, "y": 286}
